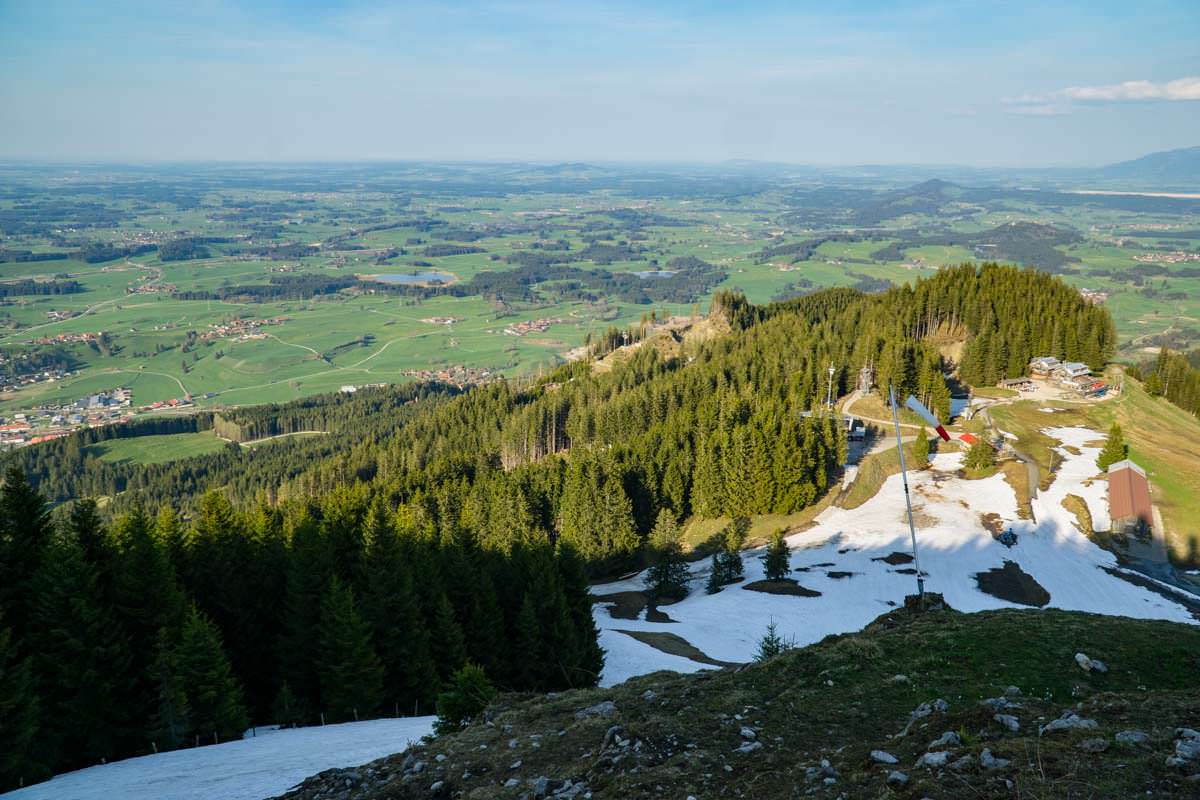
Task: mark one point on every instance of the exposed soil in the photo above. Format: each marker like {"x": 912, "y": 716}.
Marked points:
{"x": 654, "y": 614}
{"x": 825, "y": 564}
{"x": 1013, "y": 584}
{"x": 895, "y": 559}
{"x": 676, "y": 646}
{"x": 838, "y": 575}
{"x": 785, "y": 586}
{"x": 623, "y": 605}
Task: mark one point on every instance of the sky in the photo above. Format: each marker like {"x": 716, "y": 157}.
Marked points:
{"x": 987, "y": 84}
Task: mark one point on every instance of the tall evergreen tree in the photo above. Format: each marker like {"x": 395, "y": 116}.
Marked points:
{"x": 921, "y": 449}
{"x": 446, "y": 639}
{"x": 777, "y": 559}
{"x": 349, "y": 670}
{"x": 667, "y": 578}
{"x": 214, "y": 695}
{"x": 170, "y": 722}
{"x": 1114, "y": 450}
{"x": 24, "y": 534}
{"x": 82, "y": 661}
{"x": 18, "y": 716}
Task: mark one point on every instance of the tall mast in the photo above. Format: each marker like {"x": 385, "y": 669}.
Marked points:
{"x": 912, "y": 530}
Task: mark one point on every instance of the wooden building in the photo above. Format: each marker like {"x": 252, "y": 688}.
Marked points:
{"x": 1129, "y": 504}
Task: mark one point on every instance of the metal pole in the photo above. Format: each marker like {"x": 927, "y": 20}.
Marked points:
{"x": 912, "y": 530}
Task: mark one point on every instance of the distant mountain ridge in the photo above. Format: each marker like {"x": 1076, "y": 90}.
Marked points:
{"x": 1171, "y": 167}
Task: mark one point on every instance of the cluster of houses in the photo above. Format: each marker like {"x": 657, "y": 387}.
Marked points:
{"x": 532, "y": 326}
{"x": 1074, "y": 376}
{"x": 52, "y": 421}
{"x": 241, "y": 328}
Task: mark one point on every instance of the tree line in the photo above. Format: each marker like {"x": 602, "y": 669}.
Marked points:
{"x": 149, "y": 633}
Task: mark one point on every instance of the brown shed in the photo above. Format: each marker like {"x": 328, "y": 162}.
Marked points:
{"x": 1128, "y": 497}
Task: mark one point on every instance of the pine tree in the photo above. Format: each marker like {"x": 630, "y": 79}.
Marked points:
{"x": 171, "y": 721}
{"x": 468, "y": 693}
{"x": 529, "y": 669}
{"x": 287, "y": 710}
{"x": 667, "y": 578}
{"x": 82, "y": 661}
{"x": 213, "y": 693}
{"x": 771, "y": 644}
{"x": 716, "y": 576}
{"x": 446, "y": 639}
{"x": 980, "y": 457}
{"x": 921, "y": 449}
{"x": 18, "y": 716}
{"x": 24, "y": 534}
{"x": 1114, "y": 450}
{"x": 776, "y": 561}
{"x": 350, "y": 673}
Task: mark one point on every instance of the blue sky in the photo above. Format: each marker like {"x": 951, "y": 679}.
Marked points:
{"x": 824, "y": 83}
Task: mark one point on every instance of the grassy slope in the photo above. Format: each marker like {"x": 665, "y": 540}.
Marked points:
{"x": 156, "y": 449}
{"x": 837, "y": 700}
{"x": 1162, "y": 438}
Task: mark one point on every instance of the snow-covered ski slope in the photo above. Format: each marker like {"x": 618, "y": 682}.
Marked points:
{"x": 954, "y": 546}
{"x": 251, "y": 769}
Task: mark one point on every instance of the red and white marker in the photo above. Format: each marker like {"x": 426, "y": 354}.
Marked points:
{"x": 924, "y": 413}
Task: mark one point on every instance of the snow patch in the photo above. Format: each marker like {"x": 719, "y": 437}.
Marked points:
{"x": 251, "y": 769}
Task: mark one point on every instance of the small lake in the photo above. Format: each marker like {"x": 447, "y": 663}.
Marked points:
{"x": 414, "y": 278}
{"x": 655, "y": 273}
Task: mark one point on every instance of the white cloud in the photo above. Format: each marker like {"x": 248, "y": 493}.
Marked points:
{"x": 1134, "y": 91}
{"x": 1069, "y": 99}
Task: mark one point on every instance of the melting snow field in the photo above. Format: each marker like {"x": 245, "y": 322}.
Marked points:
{"x": 250, "y": 769}
{"x": 954, "y": 546}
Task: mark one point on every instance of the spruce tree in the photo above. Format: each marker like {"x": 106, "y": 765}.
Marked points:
{"x": 1114, "y": 450}
{"x": 667, "y": 578}
{"x": 468, "y": 693}
{"x": 771, "y": 644}
{"x": 82, "y": 661}
{"x": 348, "y": 668}
{"x": 921, "y": 449}
{"x": 716, "y": 575}
{"x": 776, "y": 561}
{"x": 24, "y": 534}
{"x": 446, "y": 639}
{"x": 18, "y": 716}
{"x": 214, "y": 695}
{"x": 171, "y": 720}
{"x": 980, "y": 456}
{"x": 529, "y": 668}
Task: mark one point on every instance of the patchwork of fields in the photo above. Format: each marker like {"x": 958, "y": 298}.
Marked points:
{"x": 214, "y": 325}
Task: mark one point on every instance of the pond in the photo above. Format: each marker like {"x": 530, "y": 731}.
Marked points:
{"x": 655, "y": 273}
{"x": 414, "y": 278}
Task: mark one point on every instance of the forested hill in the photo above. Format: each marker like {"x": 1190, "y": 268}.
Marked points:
{"x": 353, "y": 573}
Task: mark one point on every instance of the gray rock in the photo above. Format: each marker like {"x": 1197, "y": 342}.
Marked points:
{"x": 605, "y": 708}
{"x": 963, "y": 764}
{"x": 1000, "y": 704}
{"x": 897, "y": 779}
{"x": 898, "y": 679}
{"x": 1008, "y": 721}
{"x": 748, "y": 733}
{"x": 1132, "y": 738}
{"x": 935, "y": 759}
{"x": 513, "y": 743}
{"x": 989, "y": 761}
{"x": 947, "y": 739}
{"x": 649, "y": 695}
{"x": 883, "y": 757}
{"x": 1186, "y": 733}
{"x": 1187, "y": 749}
{"x": 436, "y": 786}
{"x": 1090, "y": 664}
{"x": 418, "y": 767}
{"x": 1012, "y": 691}
{"x": 922, "y": 711}
{"x": 941, "y": 705}
{"x": 544, "y": 787}
{"x": 1094, "y": 745}
{"x": 1069, "y": 721}
{"x": 511, "y": 782}
{"x": 829, "y": 781}
{"x": 440, "y": 757}
{"x": 515, "y": 765}
{"x": 748, "y": 747}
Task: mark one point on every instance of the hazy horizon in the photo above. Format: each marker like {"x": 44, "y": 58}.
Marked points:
{"x": 919, "y": 84}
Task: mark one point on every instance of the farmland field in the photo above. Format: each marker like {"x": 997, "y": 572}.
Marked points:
{"x": 238, "y": 286}
{"x": 156, "y": 449}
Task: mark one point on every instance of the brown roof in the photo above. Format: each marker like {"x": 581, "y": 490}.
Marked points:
{"x": 1128, "y": 492}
